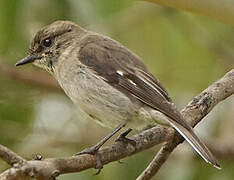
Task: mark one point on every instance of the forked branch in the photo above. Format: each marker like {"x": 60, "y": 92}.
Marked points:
{"x": 50, "y": 168}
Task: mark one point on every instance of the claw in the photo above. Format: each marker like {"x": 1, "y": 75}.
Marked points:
{"x": 98, "y": 172}
{"x": 122, "y": 138}
{"x": 99, "y": 164}
{"x": 94, "y": 150}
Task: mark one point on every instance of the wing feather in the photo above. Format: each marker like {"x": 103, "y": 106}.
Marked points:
{"x": 124, "y": 71}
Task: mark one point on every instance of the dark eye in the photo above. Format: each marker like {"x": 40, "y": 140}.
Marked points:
{"x": 47, "y": 42}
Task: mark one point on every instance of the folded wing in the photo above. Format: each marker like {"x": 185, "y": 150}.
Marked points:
{"x": 123, "y": 70}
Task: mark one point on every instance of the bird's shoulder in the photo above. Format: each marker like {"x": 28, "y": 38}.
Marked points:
{"x": 115, "y": 63}
{"x": 107, "y": 50}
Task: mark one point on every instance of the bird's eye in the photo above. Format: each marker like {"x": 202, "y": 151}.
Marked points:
{"x": 47, "y": 42}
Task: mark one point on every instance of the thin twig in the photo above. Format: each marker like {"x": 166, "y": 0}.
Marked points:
{"x": 194, "y": 112}
{"x": 9, "y": 156}
{"x": 43, "y": 169}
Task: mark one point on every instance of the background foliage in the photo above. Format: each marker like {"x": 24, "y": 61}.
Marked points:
{"x": 185, "y": 51}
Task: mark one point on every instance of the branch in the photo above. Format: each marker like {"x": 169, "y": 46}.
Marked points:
{"x": 46, "y": 168}
{"x": 197, "y": 109}
{"x": 10, "y": 157}
{"x": 194, "y": 112}
{"x": 216, "y": 9}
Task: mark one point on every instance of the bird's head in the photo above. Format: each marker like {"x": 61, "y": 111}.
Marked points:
{"x": 49, "y": 43}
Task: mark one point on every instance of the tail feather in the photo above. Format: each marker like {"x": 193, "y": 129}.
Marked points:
{"x": 196, "y": 143}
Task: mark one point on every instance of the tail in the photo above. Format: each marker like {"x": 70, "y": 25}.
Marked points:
{"x": 195, "y": 142}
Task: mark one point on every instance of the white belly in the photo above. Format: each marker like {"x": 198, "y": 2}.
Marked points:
{"x": 102, "y": 102}
{"x": 97, "y": 98}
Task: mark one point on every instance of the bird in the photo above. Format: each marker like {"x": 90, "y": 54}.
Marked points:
{"x": 108, "y": 82}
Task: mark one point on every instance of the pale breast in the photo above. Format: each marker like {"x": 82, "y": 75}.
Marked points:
{"x": 96, "y": 97}
{"x": 101, "y": 101}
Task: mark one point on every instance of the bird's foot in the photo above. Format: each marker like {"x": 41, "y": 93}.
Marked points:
{"x": 122, "y": 138}
{"x": 94, "y": 149}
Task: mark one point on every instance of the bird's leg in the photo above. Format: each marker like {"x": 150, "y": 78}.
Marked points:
{"x": 122, "y": 138}
{"x": 94, "y": 149}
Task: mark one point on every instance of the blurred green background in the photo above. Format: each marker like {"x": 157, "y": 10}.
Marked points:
{"x": 186, "y": 52}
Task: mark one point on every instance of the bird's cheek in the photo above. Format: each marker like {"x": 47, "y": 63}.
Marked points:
{"x": 41, "y": 63}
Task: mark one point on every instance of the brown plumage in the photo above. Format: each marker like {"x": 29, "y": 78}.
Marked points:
{"x": 107, "y": 81}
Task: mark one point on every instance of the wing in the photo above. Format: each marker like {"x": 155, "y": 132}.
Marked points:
{"x": 124, "y": 71}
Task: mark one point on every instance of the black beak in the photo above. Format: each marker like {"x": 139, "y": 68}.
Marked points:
{"x": 26, "y": 60}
